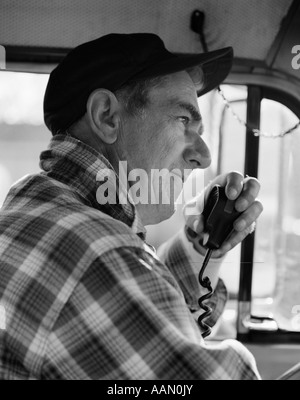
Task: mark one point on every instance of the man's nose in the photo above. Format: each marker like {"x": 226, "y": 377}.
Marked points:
{"x": 198, "y": 155}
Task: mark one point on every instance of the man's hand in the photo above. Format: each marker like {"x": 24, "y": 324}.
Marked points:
{"x": 245, "y": 192}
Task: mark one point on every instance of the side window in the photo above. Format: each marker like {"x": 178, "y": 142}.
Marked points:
{"x": 277, "y": 245}
{"x": 275, "y": 296}
{"x": 23, "y": 134}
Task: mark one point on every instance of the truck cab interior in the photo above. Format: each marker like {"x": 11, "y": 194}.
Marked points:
{"x": 252, "y": 125}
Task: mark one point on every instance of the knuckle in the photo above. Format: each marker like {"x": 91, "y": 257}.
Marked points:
{"x": 249, "y": 220}
{"x": 250, "y": 193}
{"x": 235, "y": 176}
{"x": 254, "y": 183}
{"x": 250, "y": 197}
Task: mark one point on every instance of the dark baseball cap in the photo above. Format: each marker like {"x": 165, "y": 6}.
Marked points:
{"x": 111, "y": 61}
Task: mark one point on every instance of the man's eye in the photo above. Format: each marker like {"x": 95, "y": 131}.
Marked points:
{"x": 185, "y": 120}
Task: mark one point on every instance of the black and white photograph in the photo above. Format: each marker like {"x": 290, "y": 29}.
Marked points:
{"x": 149, "y": 196}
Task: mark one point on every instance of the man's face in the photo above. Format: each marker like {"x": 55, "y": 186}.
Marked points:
{"x": 166, "y": 137}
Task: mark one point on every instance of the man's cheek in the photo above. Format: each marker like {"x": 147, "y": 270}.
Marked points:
{"x": 166, "y": 185}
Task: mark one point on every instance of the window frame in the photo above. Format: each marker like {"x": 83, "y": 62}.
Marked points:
{"x": 246, "y": 334}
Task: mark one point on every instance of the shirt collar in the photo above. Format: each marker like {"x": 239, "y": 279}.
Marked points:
{"x": 78, "y": 165}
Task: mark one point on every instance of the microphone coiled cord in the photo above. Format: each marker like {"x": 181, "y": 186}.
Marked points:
{"x": 206, "y": 283}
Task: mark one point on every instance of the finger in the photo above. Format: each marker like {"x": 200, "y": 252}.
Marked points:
{"x": 234, "y": 185}
{"x": 243, "y": 226}
{"x": 197, "y": 236}
{"x": 194, "y": 207}
{"x": 196, "y": 224}
{"x": 249, "y": 216}
{"x": 249, "y": 194}
{"x": 235, "y": 239}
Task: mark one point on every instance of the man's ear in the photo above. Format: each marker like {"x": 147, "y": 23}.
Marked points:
{"x": 103, "y": 115}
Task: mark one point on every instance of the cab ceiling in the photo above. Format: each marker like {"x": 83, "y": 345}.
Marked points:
{"x": 249, "y": 26}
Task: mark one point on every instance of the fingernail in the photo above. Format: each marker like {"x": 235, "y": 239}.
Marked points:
{"x": 195, "y": 224}
{"x": 240, "y": 226}
{"x": 205, "y": 238}
{"x": 232, "y": 193}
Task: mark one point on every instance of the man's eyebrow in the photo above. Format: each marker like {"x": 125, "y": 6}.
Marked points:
{"x": 191, "y": 109}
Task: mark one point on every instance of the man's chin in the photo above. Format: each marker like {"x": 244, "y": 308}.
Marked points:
{"x": 153, "y": 214}
{"x": 163, "y": 212}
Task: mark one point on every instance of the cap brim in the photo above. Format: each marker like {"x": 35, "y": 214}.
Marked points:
{"x": 215, "y": 66}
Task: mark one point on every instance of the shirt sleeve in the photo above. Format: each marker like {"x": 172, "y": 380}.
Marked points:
{"x": 184, "y": 262}
{"x": 128, "y": 319}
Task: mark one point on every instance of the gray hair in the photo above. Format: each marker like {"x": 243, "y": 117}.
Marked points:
{"x": 135, "y": 94}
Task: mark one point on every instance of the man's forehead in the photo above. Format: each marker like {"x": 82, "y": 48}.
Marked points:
{"x": 178, "y": 84}
{"x": 176, "y": 92}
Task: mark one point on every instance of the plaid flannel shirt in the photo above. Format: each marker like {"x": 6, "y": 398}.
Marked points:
{"x": 83, "y": 296}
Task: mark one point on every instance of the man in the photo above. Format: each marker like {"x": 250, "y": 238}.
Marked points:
{"x": 84, "y": 295}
